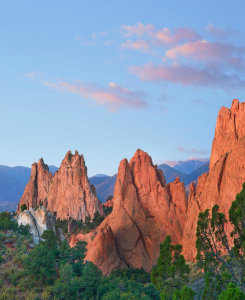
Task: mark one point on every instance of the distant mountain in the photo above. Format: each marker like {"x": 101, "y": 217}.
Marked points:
{"x": 188, "y": 166}
{"x": 12, "y": 184}
{"x": 14, "y": 179}
{"x": 188, "y": 178}
{"x": 170, "y": 173}
{"x": 104, "y": 186}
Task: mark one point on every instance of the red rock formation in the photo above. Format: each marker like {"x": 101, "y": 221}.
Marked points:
{"x": 145, "y": 210}
{"x": 67, "y": 192}
{"x": 108, "y": 203}
{"x": 226, "y": 174}
{"x": 230, "y": 127}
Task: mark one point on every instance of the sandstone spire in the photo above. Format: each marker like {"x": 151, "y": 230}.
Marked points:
{"x": 226, "y": 174}
{"x": 67, "y": 193}
{"x": 145, "y": 210}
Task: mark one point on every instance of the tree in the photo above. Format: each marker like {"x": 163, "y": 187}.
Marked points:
{"x": 78, "y": 254}
{"x": 232, "y": 293}
{"x": 66, "y": 287}
{"x": 171, "y": 271}
{"x": 40, "y": 264}
{"x": 7, "y": 222}
{"x": 90, "y": 281}
{"x": 23, "y": 207}
{"x": 50, "y": 239}
{"x": 221, "y": 256}
{"x": 186, "y": 293}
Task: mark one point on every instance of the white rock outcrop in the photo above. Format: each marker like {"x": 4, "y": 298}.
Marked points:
{"x": 39, "y": 220}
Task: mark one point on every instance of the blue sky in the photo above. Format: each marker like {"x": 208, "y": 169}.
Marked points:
{"x": 108, "y": 77}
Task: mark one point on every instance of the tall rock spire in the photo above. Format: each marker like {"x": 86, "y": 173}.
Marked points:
{"x": 67, "y": 193}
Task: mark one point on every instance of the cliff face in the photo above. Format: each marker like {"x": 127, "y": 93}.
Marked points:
{"x": 145, "y": 210}
{"x": 230, "y": 128}
{"x": 67, "y": 193}
{"x": 226, "y": 174}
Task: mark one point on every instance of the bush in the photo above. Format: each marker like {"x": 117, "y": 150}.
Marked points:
{"x": 6, "y": 222}
{"x": 23, "y": 207}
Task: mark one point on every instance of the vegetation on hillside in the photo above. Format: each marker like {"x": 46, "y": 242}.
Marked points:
{"x": 53, "y": 270}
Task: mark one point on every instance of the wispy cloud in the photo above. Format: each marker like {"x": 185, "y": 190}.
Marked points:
{"x": 163, "y": 35}
{"x": 137, "y": 45}
{"x": 112, "y": 96}
{"x": 31, "y": 75}
{"x": 139, "y": 29}
{"x": 221, "y": 33}
{"x": 189, "y": 59}
{"x": 188, "y": 75}
{"x": 208, "y": 51}
{"x": 193, "y": 151}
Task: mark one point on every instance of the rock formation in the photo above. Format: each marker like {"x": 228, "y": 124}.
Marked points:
{"x": 67, "y": 193}
{"x": 145, "y": 210}
{"x": 39, "y": 220}
{"x": 226, "y": 174}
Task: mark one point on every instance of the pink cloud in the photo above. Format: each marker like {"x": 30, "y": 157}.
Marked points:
{"x": 113, "y": 96}
{"x": 221, "y": 33}
{"x": 162, "y": 36}
{"x": 165, "y": 36}
{"x": 204, "y": 50}
{"x": 188, "y": 75}
{"x": 138, "y": 45}
{"x": 139, "y": 29}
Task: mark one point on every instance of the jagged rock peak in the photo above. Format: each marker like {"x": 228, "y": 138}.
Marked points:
{"x": 67, "y": 193}
{"x": 229, "y": 130}
{"x": 145, "y": 210}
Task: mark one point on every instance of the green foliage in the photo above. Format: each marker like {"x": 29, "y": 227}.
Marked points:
{"x": 50, "y": 239}
{"x": 107, "y": 210}
{"x": 90, "y": 280}
{"x": 40, "y": 264}
{"x": 63, "y": 224}
{"x": 66, "y": 286}
{"x": 171, "y": 271}
{"x": 138, "y": 275}
{"x": 186, "y": 293}
{"x": 232, "y": 293}
{"x": 23, "y": 207}
{"x": 7, "y": 222}
{"x": 237, "y": 219}
{"x": 221, "y": 260}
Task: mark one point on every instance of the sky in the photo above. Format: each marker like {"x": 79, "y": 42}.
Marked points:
{"x": 108, "y": 77}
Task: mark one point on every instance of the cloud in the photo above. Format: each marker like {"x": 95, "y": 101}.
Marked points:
{"x": 113, "y": 96}
{"x": 165, "y": 36}
{"x": 193, "y": 151}
{"x": 221, "y": 33}
{"x": 139, "y": 29}
{"x": 162, "y": 36}
{"x": 207, "y": 51}
{"x": 189, "y": 75}
{"x": 31, "y": 75}
{"x": 138, "y": 45}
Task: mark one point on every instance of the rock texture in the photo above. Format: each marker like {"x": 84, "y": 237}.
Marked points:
{"x": 67, "y": 193}
{"x": 145, "y": 210}
{"x": 39, "y": 220}
{"x": 226, "y": 174}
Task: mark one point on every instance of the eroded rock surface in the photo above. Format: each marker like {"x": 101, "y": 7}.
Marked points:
{"x": 226, "y": 175}
{"x": 67, "y": 193}
{"x": 145, "y": 210}
{"x": 39, "y": 220}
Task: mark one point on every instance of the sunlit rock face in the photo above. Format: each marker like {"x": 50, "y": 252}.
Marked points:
{"x": 38, "y": 220}
{"x": 226, "y": 174}
{"x": 145, "y": 210}
{"x": 67, "y": 193}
